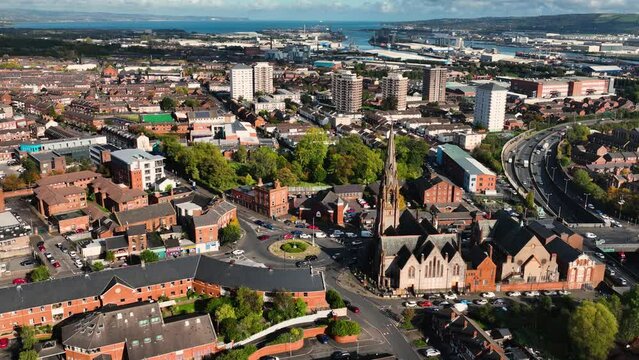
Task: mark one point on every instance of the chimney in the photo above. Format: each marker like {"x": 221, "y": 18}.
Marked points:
{"x": 490, "y": 250}
{"x": 259, "y": 182}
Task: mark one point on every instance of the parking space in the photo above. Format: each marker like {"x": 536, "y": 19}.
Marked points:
{"x": 22, "y": 208}
{"x": 60, "y": 253}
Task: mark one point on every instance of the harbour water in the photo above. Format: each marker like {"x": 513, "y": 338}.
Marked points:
{"x": 357, "y": 32}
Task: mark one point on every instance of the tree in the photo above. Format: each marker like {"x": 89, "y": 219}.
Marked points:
{"x": 577, "y": 133}
{"x": 238, "y": 354}
{"x": 40, "y": 273}
{"x": 344, "y": 328}
{"x": 12, "y": 182}
{"x": 247, "y": 302}
{"x": 230, "y": 233}
{"x": 613, "y": 303}
{"x": 28, "y": 355}
{"x": 334, "y": 299}
{"x": 530, "y": 200}
{"x": 306, "y": 99}
{"x": 149, "y": 256}
{"x": 31, "y": 173}
{"x": 287, "y": 177}
{"x": 311, "y": 150}
{"x": 407, "y": 317}
{"x": 629, "y": 320}
{"x": 167, "y": 104}
{"x": 592, "y": 329}
{"x": 263, "y": 163}
{"x": 250, "y": 324}
{"x": 97, "y": 266}
{"x": 411, "y": 155}
{"x": 110, "y": 256}
{"x": 284, "y": 307}
{"x": 225, "y": 311}
{"x": 241, "y": 155}
{"x": 389, "y": 103}
{"x": 215, "y": 303}
{"x": 351, "y": 161}
{"x": 27, "y": 337}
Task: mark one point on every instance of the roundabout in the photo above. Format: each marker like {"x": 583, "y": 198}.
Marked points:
{"x": 293, "y": 249}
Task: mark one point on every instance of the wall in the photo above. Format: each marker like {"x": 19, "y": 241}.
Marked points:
{"x": 281, "y": 348}
{"x": 68, "y": 225}
{"x": 285, "y": 324}
{"x": 18, "y": 193}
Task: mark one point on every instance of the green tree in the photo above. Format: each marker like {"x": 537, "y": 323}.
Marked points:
{"x": 351, "y": 161}
{"x": 411, "y": 155}
{"x": 284, "y": 307}
{"x": 250, "y": 324}
{"x": 31, "y": 174}
{"x": 577, "y": 133}
{"x": 287, "y": 177}
{"x": 248, "y": 302}
{"x": 263, "y": 163}
{"x": 230, "y": 233}
{"x": 167, "y": 104}
{"x": 229, "y": 329}
{"x": 241, "y": 155}
{"x": 149, "y": 256}
{"x": 215, "y": 303}
{"x": 110, "y": 256}
{"x": 97, "y": 266}
{"x": 12, "y": 182}
{"x": 27, "y": 337}
{"x": 306, "y": 99}
{"x": 629, "y": 322}
{"x": 40, "y": 273}
{"x": 613, "y": 303}
{"x": 592, "y": 329}
{"x": 389, "y": 103}
{"x": 238, "y": 354}
{"x": 225, "y": 311}
{"x": 311, "y": 150}
{"x": 530, "y": 200}
{"x": 344, "y": 328}
{"x": 334, "y": 299}
{"x": 28, "y": 355}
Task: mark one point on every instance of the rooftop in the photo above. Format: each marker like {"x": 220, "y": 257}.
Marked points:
{"x": 131, "y": 155}
{"x": 463, "y": 159}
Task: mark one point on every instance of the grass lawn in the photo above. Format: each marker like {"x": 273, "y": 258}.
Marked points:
{"x": 188, "y": 308}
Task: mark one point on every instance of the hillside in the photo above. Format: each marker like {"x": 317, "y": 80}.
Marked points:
{"x": 568, "y": 23}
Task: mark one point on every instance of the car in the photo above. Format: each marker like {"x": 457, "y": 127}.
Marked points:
{"x": 269, "y": 226}
{"x": 41, "y": 248}
{"x": 600, "y": 255}
{"x": 488, "y": 294}
{"x": 72, "y": 253}
{"x": 263, "y": 237}
{"x": 531, "y": 293}
{"x": 590, "y": 235}
{"x": 300, "y": 226}
{"x": 450, "y": 296}
{"x": 410, "y": 304}
{"x": 310, "y": 257}
{"x": 600, "y": 241}
{"x": 297, "y": 232}
{"x": 563, "y": 292}
{"x": 353, "y": 308}
{"x": 431, "y": 352}
{"x": 56, "y": 264}
{"x": 320, "y": 235}
{"x": 498, "y": 302}
{"x": 58, "y": 245}
{"x": 425, "y": 303}
{"x": 4, "y": 343}
{"x": 19, "y": 281}
{"x": 357, "y": 242}
{"x": 480, "y": 301}
{"x": 322, "y": 338}
{"x": 433, "y": 296}
{"x": 610, "y": 271}
{"x": 40, "y": 243}
{"x": 305, "y": 236}
{"x": 340, "y": 354}
{"x": 444, "y": 303}
{"x": 334, "y": 236}
{"x": 313, "y": 227}
{"x": 622, "y": 281}
{"x": 287, "y": 236}
{"x": 351, "y": 235}
{"x": 48, "y": 255}
{"x": 269, "y": 357}
{"x": 237, "y": 252}
{"x": 336, "y": 256}
{"x": 513, "y": 293}
{"x": 366, "y": 233}
{"x": 549, "y": 292}
{"x": 591, "y": 207}
{"x": 259, "y": 222}
{"x": 302, "y": 263}
{"x": 27, "y": 262}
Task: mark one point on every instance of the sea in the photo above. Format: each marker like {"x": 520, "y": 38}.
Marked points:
{"x": 357, "y": 32}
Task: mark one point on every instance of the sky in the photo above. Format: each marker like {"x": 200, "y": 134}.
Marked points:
{"x": 357, "y": 10}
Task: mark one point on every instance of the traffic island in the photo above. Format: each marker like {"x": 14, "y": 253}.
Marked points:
{"x": 293, "y": 249}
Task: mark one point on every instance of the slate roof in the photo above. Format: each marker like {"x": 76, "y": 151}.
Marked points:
{"x": 136, "y": 230}
{"x": 137, "y": 216}
{"x": 565, "y": 253}
{"x": 213, "y": 215}
{"x": 55, "y": 196}
{"x": 509, "y": 236}
{"x": 67, "y": 178}
{"x": 116, "y": 242}
{"x": 198, "y": 267}
{"x": 116, "y": 192}
{"x": 348, "y": 188}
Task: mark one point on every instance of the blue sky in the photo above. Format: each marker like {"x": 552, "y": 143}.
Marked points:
{"x": 361, "y": 10}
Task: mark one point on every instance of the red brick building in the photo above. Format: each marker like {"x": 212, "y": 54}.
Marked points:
{"x": 49, "y": 302}
{"x": 80, "y": 179}
{"x": 154, "y": 217}
{"x": 480, "y": 270}
{"x": 116, "y": 197}
{"x": 267, "y": 199}
{"x": 52, "y": 201}
{"x": 437, "y": 191}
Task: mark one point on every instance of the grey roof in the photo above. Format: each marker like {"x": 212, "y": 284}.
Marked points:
{"x": 241, "y": 67}
{"x": 348, "y": 188}
{"x": 142, "y": 328}
{"x": 136, "y": 230}
{"x": 136, "y": 216}
{"x": 198, "y": 267}
{"x": 491, "y": 87}
{"x": 116, "y": 242}
{"x": 214, "y": 214}
{"x": 129, "y": 155}
{"x": 565, "y": 253}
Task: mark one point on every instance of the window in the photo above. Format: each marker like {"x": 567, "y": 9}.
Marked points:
{"x": 411, "y": 272}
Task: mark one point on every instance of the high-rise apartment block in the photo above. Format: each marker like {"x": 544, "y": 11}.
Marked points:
{"x": 434, "y": 84}
{"x": 242, "y": 82}
{"x": 395, "y": 85}
{"x": 490, "y": 107}
{"x": 347, "y": 92}
{"x": 263, "y": 78}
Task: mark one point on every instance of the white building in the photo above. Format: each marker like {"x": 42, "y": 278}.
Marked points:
{"x": 490, "y": 107}
{"x": 395, "y": 85}
{"x": 136, "y": 168}
{"x": 242, "y": 82}
{"x": 263, "y": 78}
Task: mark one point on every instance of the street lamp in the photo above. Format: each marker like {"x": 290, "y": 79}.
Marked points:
{"x": 621, "y": 202}
{"x": 553, "y": 172}
{"x": 586, "y": 203}
{"x": 566, "y": 185}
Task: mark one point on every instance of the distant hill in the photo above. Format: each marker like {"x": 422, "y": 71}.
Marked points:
{"x": 8, "y": 15}
{"x": 568, "y": 23}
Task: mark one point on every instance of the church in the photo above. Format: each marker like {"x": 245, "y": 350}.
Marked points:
{"x": 407, "y": 256}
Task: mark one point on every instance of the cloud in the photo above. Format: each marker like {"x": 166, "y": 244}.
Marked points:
{"x": 340, "y": 10}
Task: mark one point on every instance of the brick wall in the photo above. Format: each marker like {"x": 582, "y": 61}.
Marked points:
{"x": 282, "y": 348}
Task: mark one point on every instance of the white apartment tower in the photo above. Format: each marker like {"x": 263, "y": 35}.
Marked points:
{"x": 434, "y": 84}
{"x": 346, "y": 90}
{"x": 263, "y": 78}
{"x": 490, "y": 107}
{"x": 395, "y": 85}
{"x": 242, "y": 82}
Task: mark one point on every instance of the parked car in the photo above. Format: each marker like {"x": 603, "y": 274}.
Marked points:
{"x": 410, "y": 304}
{"x": 297, "y": 232}
{"x": 340, "y": 355}
{"x": 310, "y": 258}
{"x": 300, "y": 226}
{"x": 320, "y": 235}
{"x": 41, "y": 248}
{"x": 28, "y": 262}
{"x": 563, "y": 292}
{"x": 56, "y": 264}
{"x": 431, "y": 352}
{"x": 425, "y": 303}
{"x": 19, "y": 281}
{"x": 353, "y": 308}
{"x": 4, "y": 343}
{"x": 72, "y": 253}
{"x": 336, "y": 256}
{"x": 238, "y": 252}
{"x": 305, "y": 236}
{"x": 481, "y": 301}
{"x": 366, "y": 233}
{"x": 532, "y": 293}
{"x": 450, "y": 296}
{"x": 48, "y": 256}
{"x": 351, "y": 235}
{"x": 357, "y": 242}
{"x": 322, "y": 338}
{"x": 269, "y": 357}
{"x": 302, "y": 263}
{"x": 513, "y": 293}
{"x": 313, "y": 227}
{"x": 600, "y": 242}
{"x": 550, "y": 292}
{"x": 488, "y": 294}
{"x": 590, "y": 235}
{"x": 287, "y": 236}
{"x": 263, "y": 237}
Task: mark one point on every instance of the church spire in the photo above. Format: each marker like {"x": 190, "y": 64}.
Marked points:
{"x": 388, "y": 197}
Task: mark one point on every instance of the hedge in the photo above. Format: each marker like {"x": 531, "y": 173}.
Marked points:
{"x": 334, "y": 299}
{"x": 292, "y": 335}
{"x": 344, "y": 328}
{"x": 294, "y": 247}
